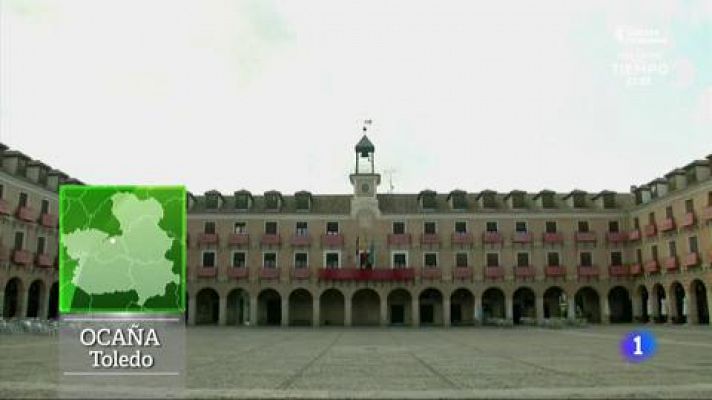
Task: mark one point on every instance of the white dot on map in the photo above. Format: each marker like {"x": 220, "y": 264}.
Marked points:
{"x": 112, "y": 241}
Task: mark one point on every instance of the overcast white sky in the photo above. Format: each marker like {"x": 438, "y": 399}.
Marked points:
{"x": 267, "y": 94}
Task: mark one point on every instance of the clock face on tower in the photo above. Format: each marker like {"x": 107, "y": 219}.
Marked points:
{"x": 365, "y": 188}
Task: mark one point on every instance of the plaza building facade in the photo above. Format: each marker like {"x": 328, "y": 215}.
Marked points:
{"x": 456, "y": 258}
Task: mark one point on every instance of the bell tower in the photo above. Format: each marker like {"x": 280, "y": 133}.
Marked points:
{"x": 365, "y": 179}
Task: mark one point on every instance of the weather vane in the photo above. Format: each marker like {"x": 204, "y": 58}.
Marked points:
{"x": 366, "y": 122}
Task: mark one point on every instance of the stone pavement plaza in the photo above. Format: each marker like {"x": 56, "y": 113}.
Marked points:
{"x": 406, "y": 362}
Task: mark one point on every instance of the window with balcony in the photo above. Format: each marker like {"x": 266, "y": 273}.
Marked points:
{"x": 399, "y": 228}
{"x": 23, "y": 200}
{"x": 44, "y": 208}
{"x": 586, "y": 259}
{"x": 242, "y": 201}
{"x": 400, "y": 260}
{"x": 609, "y": 200}
{"x": 613, "y": 226}
{"x": 41, "y": 245}
{"x": 208, "y": 259}
{"x": 583, "y": 226}
{"x": 301, "y": 260}
{"x": 19, "y": 240}
{"x": 332, "y": 259}
{"x": 692, "y": 244}
{"x": 672, "y": 248}
{"x": 492, "y": 259}
{"x": 239, "y": 259}
{"x": 522, "y": 259}
{"x": 668, "y": 212}
{"x": 240, "y": 227}
{"x": 654, "y": 252}
{"x": 269, "y": 260}
{"x": 301, "y": 228}
{"x": 461, "y": 260}
{"x": 520, "y": 226}
{"x": 552, "y": 259}
{"x": 550, "y": 227}
{"x": 332, "y": 228}
{"x": 639, "y": 256}
{"x": 429, "y": 228}
{"x": 209, "y": 227}
{"x": 271, "y": 228}
{"x": 460, "y": 227}
{"x": 616, "y": 258}
{"x": 211, "y": 201}
{"x": 689, "y": 206}
{"x": 430, "y": 260}
{"x": 491, "y": 226}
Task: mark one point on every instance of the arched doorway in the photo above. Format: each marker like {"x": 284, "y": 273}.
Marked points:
{"x": 207, "y": 310}
{"x": 331, "y": 308}
{"x": 678, "y": 309}
{"x": 620, "y": 305}
{"x": 34, "y": 299}
{"x": 430, "y": 307}
{"x": 269, "y": 308}
{"x": 301, "y": 307}
{"x": 645, "y": 304}
{"x": 524, "y": 304}
{"x": 554, "y": 303}
{"x": 659, "y": 304}
{"x": 53, "y": 302}
{"x": 399, "y": 307}
{"x": 238, "y": 307}
{"x": 698, "y": 292}
{"x": 588, "y": 304}
{"x": 493, "y": 304}
{"x": 365, "y": 308}
{"x": 11, "y": 302}
{"x": 462, "y": 307}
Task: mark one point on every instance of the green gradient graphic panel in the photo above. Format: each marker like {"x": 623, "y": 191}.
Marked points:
{"x": 122, "y": 249}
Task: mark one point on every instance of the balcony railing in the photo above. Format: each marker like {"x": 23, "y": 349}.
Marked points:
{"x": 4, "y": 207}
{"x": 303, "y": 239}
{"x": 688, "y": 220}
{"x": 651, "y": 230}
{"x": 429, "y": 239}
{"x": 301, "y": 272}
{"x": 207, "y": 272}
{"x": 208, "y": 238}
{"x": 270, "y": 239}
{"x": 524, "y": 272}
{"x": 652, "y": 266}
{"x": 522, "y": 237}
{"x": 585, "y": 237}
{"x": 616, "y": 237}
{"x": 692, "y": 260}
{"x": 25, "y": 214}
{"x": 553, "y": 237}
{"x": 22, "y": 257}
{"x": 48, "y": 220}
{"x": 494, "y": 272}
{"x": 588, "y": 271}
{"x": 356, "y": 274}
{"x": 634, "y": 235}
{"x": 461, "y": 238}
{"x": 554, "y": 271}
{"x": 707, "y": 214}
{"x": 432, "y": 273}
{"x": 617, "y": 271}
{"x": 332, "y": 240}
{"x": 492, "y": 238}
{"x": 269, "y": 273}
{"x": 238, "y": 239}
{"x": 44, "y": 261}
{"x": 636, "y": 269}
{"x": 667, "y": 225}
{"x": 238, "y": 272}
{"x": 462, "y": 273}
{"x": 399, "y": 239}
{"x": 671, "y": 263}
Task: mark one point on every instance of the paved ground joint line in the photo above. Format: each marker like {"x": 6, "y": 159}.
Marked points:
{"x": 290, "y": 380}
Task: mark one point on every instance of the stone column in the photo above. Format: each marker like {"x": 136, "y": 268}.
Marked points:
{"x": 43, "y": 307}
{"x": 571, "y": 311}
{"x": 539, "y": 302}
{"x": 692, "y": 317}
{"x": 316, "y": 312}
{"x": 222, "y": 310}
{"x": 709, "y": 304}
{"x": 384, "y": 311}
{"x": 605, "y": 310}
{"x": 478, "y": 310}
{"x": 508, "y": 308}
{"x": 415, "y": 311}
{"x": 245, "y": 309}
{"x": 637, "y": 305}
{"x": 347, "y": 310}
{"x": 2, "y": 302}
{"x": 192, "y": 310}
{"x": 446, "y": 311}
{"x": 22, "y": 298}
{"x": 253, "y": 311}
{"x": 285, "y": 311}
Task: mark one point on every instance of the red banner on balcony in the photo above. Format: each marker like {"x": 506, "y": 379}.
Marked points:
{"x": 652, "y": 266}
{"x": 269, "y": 273}
{"x": 553, "y": 237}
{"x": 555, "y": 271}
{"x": 301, "y": 240}
{"x": 25, "y": 214}
{"x": 238, "y": 239}
{"x": 207, "y": 272}
{"x": 492, "y": 238}
{"x": 44, "y": 261}
{"x": 651, "y": 230}
{"x": 634, "y": 235}
{"x": 590, "y": 271}
{"x": 667, "y": 225}
{"x": 617, "y": 271}
{"x": 208, "y": 238}
{"x": 707, "y": 214}
{"x": 301, "y": 273}
{"x": 636, "y": 269}
{"x": 271, "y": 239}
{"x": 48, "y": 220}
{"x": 688, "y": 220}
{"x": 616, "y": 237}
{"x": 332, "y": 240}
{"x": 431, "y": 273}
{"x": 692, "y": 260}
{"x": 237, "y": 272}
{"x": 429, "y": 239}
{"x": 585, "y": 237}
{"x": 526, "y": 272}
{"x": 22, "y": 257}
{"x": 671, "y": 264}
{"x": 522, "y": 237}
{"x": 462, "y": 272}
{"x": 357, "y": 274}
{"x": 461, "y": 238}
{"x": 496, "y": 272}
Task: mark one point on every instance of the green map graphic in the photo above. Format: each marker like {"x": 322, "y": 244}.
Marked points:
{"x": 122, "y": 249}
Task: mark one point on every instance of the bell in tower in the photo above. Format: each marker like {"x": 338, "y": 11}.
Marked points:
{"x": 365, "y": 179}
